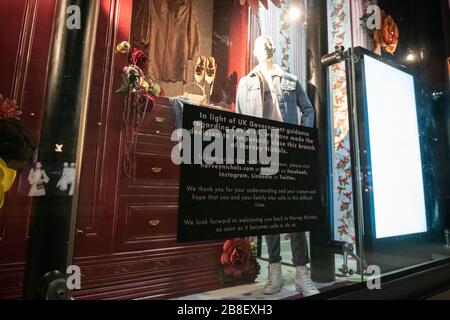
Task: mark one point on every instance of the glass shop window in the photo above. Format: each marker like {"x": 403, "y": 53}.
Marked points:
{"x": 205, "y": 52}
{"x": 399, "y": 114}
{"x": 387, "y": 124}
{"x": 381, "y": 223}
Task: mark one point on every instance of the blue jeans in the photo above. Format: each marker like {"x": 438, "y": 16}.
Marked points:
{"x": 299, "y": 248}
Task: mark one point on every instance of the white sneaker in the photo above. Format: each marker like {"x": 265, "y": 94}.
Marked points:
{"x": 303, "y": 282}
{"x": 275, "y": 281}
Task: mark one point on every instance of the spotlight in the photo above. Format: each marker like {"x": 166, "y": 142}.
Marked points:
{"x": 411, "y": 57}
{"x": 295, "y": 13}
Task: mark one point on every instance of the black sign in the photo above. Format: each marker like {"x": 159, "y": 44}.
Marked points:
{"x": 244, "y": 176}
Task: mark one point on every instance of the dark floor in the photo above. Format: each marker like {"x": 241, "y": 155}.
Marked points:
{"x": 441, "y": 296}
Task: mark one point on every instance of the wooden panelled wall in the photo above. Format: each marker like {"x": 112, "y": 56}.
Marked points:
{"x": 126, "y": 228}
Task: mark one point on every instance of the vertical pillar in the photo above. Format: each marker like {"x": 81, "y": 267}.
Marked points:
{"x": 445, "y": 9}
{"x": 52, "y": 223}
{"x": 322, "y": 260}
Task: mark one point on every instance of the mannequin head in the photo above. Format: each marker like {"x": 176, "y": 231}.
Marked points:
{"x": 264, "y": 48}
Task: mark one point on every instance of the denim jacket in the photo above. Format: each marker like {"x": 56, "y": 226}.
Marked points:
{"x": 291, "y": 96}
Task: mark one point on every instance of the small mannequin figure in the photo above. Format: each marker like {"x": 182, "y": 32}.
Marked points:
{"x": 37, "y": 178}
{"x": 62, "y": 183}
{"x": 67, "y": 178}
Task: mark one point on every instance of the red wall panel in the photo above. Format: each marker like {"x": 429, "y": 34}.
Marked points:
{"x": 25, "y": 36}
{"x": 121, "y": 256}
{"x": 12, "y": 14}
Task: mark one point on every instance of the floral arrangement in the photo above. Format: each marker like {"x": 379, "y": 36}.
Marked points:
{"x": 238, "y": 262}
{"x": 9, "y": 109}
{"x": 387, "y": 37}
{"x": 345, "y": 226}
{"x": 140, "y": 99}
{"x": 134, "y": 79}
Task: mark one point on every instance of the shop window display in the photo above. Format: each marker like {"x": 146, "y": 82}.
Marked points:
{"x": 220, "y": 76}
{"x": 253, "y": 58}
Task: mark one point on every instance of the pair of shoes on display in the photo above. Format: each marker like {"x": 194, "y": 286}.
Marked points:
{"x": 205, "y": 71}
{"x": 303, "y": 282}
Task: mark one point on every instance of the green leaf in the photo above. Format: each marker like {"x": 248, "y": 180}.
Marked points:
{"x": 125, "y": 87}
{"x": 122, "y": 89}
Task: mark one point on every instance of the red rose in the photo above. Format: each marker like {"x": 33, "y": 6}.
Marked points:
{"x": 236, "y": 257}
{"x": 139, "y": 59}
{"x": 9, "y": 109}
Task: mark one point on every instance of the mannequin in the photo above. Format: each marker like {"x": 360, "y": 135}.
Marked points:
{"x": 67, "y": 178}
{"x": 62, "y": 183}
{"x": 37, "y": 178}
{"x": 269, "y": 92}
